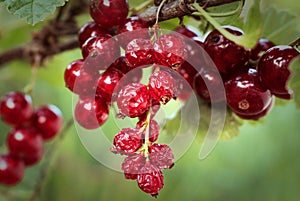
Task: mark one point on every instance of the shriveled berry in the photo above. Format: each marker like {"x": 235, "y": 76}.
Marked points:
{"x": 245, "y": 94}
{"x": 132, "y": 165}
{"x": 169, "y": 50}
{"x": 16, "y": 108}
{"x": 139, "y": 52}
{"x": 48, "y": 119}
{"x": 133, "y": 100}
{"x": 153, "y": 129}
{"x": 187, "y": 31}
{"x": 128, "y": 140}
{"x": 162, "y": 86}
{"x": 72, "y": 72}
{"x": 273, "y": 69}
{"x": 151, "y": 180}
{"x": 11, "y": 170}
{"x": 161, "y": 156}
{"x": 91, "y": 113}
{"x": 109, "y": 13}
{"x": 260, "y": 48}
{"x": 25, "y": 144}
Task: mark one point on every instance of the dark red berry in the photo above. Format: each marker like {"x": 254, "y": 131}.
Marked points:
{"x": 161, "y": 156}
{"x": 139, "y": 52}
{"x": 90, "y": 29}
{"x": 16, "y": 108}
{"x": 245, "y": 94}
{"x": 132, "y": 74}
{"x": 153, "y": 128}
{"x": 109, "y": 13}
{"x": 132, "y": 165}
{"x": 226, "y": 55}
{"x": 11, "y": 170}
{"x": 85, "y": 84}
{"x": 133, "y": 100}
{"x": 261, "y": 47}
{"x": 25, "y": 144}
{"x": 72, "y": 72}
{"x": 135, "y": 28}
{"x": 90, "y": 113}
{"x": 162, "y": 86}
{"x": 187, "y": 31}
{"x": 151, "y": 180}
{"x": 169, "y": 50}
{"x": 273, "y": 69}
{"x": 128, "y": 140}
{"x": 48, "y": 119}
{"x": 188, "y": 72}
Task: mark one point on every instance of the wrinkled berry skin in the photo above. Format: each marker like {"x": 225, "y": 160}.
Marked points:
{"x": 245, "y": 94}
{"x": 139, "y": 52}
{"x": 162, "y": 86}
{"x": 11, "y": 170}
{"x": 161, "y": 156}
{"x": 127, "y": 141}
{"x": 133, "y": 100}
{"x": 274, "y": 72}
{"x": 226, "y": 55}
{"x": 16, "y": 108}
{"x": 72, "y": 72}
{"x": 260, "y": 48}
{"x": 132, "y": 165}
{"x": 151, "y": 180}
{"x": 109, "y": 13}
{"x": 153, "y": 129}
{"x": 169, "y": 51}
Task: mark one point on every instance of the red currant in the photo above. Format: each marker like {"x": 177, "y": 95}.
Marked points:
{"x": 161, "y": 156}
{"x": 132, "y": 165}
{"x": 11, "y": 170}
{"x": 153, "y": 128}
{"x": 128, "y": 140}
{"x": 187, "y": 31}
{"x": 85, "y": 84}
{"x": 261, "y": 47}
{"x": 72, "y": 72}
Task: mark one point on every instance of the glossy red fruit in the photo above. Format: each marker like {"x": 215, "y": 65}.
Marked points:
{"x": 128, "y": 141}
{"x": 11, "y": 170}
{"x": 132, "y": 74}
{"x": 135, "y": 28}
{"x": 109, "y": 13}
{"x": 139, "y": 52}
{"x": 72, "y": 72}
{"x": 273, "y": 69}
{"x": 151, "y": 180}
{"x": 188, "y": 72}
{"x": 226, "y": 55}
{"x": 132, "y": 165}
{"x": 161, "y": 156}
{"x": 16, "y": 108}
{"x": 90, "y": 29}
{"x": 162, "y": 86}
{"x": 245, "y": 94}
{"x": 85, "y": 84}
{"x": 260, "y": 48}
{"x": 209, "y": 86}
{"x": 25, "y": 144}
{"x": 169, "y": 50}
{"x": 187, "y": 31}
{"x": 48, "y": 119}
{"x": 90, "y": 113}
{"x": 133, "y": 100}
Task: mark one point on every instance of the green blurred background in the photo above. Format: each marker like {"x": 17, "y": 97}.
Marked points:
{"x": 261, "y": 164}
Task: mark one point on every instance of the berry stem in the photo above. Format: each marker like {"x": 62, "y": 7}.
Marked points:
{"x": 28, "y": 89}
{"x": 158, "y": 10}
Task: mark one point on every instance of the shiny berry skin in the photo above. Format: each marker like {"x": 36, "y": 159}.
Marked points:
{"x": 48, "y": 119}
{"x": 90, "y": 113}
{"x": 151, "y": 180}
{"x": 226, "y": 55}
{"x": 162, "y": 86}
{"x": 108, "y": 82}
{"x": 260, "y": 48}
{"x": 11, "y": 170}
{"x": 132, "y": 165}
{"x": 135, "y": 28}
{"x": 72, "y": 72}
{"x": 134, "y": 75}
{"x": 128, "y": 141}
{"x": 85, "y": 84}
{"x": 188, "y": 72}
{"x": 273, "y": 69}
{"x": 209, "y": 86}
{"x": 169, "y": 50}
{"x": 109, "y": 13}
{"x": 245, "y": 94}
{"x": 133, "y": 100}
{"x": 16, "y": 108}
{"x": 187, "y": 31}
{"x": 25, "y": 144}
{"x": 139, "y": 52}
{"x": 161, "y": 156}
{"x": 90, "y": 29}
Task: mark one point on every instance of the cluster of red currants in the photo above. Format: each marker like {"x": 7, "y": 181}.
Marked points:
{"x": 30, "y": 129}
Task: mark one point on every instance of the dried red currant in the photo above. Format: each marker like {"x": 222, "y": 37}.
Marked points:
{"x": 128, "y": 141}
{"x": 161, "y": 156}
{"x": 132, "y": 165}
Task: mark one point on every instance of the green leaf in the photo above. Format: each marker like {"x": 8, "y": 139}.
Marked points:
{"x": 294, "y": 82}
{"x": 32, "y": 11}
